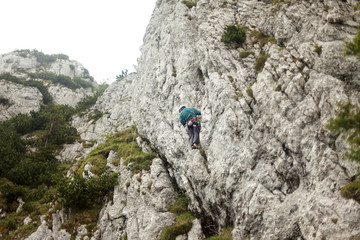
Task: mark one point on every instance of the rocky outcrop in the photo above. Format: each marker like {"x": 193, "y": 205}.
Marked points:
{"x": 32, "y": 61}
{"x": 114, "y": 104}
{"x": 139, "y": 206}
{"x": 16, "y": 98}
{"x": 269, "y": 169}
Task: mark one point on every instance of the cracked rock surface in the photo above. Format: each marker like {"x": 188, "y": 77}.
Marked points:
{"x": 271, "y": 170}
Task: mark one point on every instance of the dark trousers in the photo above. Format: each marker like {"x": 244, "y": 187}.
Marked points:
{"x": 194, "y": 134}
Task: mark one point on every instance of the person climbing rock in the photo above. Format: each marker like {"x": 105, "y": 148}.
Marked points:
{"x": 190, "y": 119}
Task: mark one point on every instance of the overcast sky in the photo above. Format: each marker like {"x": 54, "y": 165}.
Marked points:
{"x": 105, "y": 36}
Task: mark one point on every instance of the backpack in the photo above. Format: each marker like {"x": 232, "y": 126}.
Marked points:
{"x": 196, "y": 121}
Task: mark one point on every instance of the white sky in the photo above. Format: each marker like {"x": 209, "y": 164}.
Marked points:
{"x": 104, "y": 36}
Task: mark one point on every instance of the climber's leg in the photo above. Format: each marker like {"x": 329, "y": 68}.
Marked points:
{"x": 191, "y": 135}
{"x": 196, "y": 136}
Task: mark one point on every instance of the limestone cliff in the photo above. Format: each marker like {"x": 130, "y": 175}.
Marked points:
{"x": 269, "y": 169}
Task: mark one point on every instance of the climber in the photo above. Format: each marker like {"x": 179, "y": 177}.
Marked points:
{"x": 190, "y": 119}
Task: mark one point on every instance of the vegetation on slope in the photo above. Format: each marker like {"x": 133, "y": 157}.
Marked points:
{"x": 40, "y": 180}
{"x": 31, "y": 83}
{"x": 234, "y": 34}
{"x": 41, "y": 57}
{"x": 183, "y": 222}
{"x": 66, "y": 81}
{"x": 352, "y": 48}
{"x": 347, "y": 124}
{"x": 29, "y": 169}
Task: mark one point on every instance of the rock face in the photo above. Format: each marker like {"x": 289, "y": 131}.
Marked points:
{"x": 139, "y": 206}
{"x": 18, "y": 99}
{"x": 270, "y": 170}
{"x": 115, "y": 106}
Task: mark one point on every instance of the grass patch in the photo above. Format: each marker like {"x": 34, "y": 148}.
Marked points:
{"x": 260, "y": 62}
{"x": 351, "y": 191}
{"x": 124, "y": 144}
{"x": 250, "y": 92}
{"x": 182, "y": 226}
{"x": 180, "y": 205}
{"x": 225, "y": 234}
{"x": 183, "y": 220}
{"x": 318, "y": 49}
{"x": 245, "y": 54}
{"x": 88, "y": 217}
{"x": 262, "y": 39}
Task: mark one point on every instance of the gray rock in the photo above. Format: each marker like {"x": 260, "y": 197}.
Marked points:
{"x": 19, "y": 99}
{"x": 27, "y": 221}
{"x": 66, "y": 96}
{"x": 139, "y": 205}
{"x": 270, "y": 169}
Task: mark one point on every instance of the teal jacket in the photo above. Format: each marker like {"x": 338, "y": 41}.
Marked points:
{"x": 187, "y": 113}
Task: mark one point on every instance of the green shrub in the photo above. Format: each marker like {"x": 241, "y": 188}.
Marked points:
{"x": 35, "y": 169}
{"x": 189, "y": 4}
{"x": 10, "y": 192}
{"x": 97, "y": 115}
{"x": 47, "y": 98}
{"x": 260, "y": 62}
{"x": 11, "y": 225}
{"x": 4, "y": 101}
{"x": 29, "y": 207}
{"x": 63, "y": 80}
{"x": 245, "y": 54}
{"x": 353, "y": 48}
{"x": 36, "y": 193}
{"x": 123, "y": 74}
{"x": 79, "y": 82}
{"x": 234, "y": 34}
{"x": 351, "y": 191}
{"x": 12, "y": 147}
{"x": 41, "y": 57}
{"x": 83, "y": 193}
{"x": 55, "y": 119}
{"x": 347, "y": 122}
